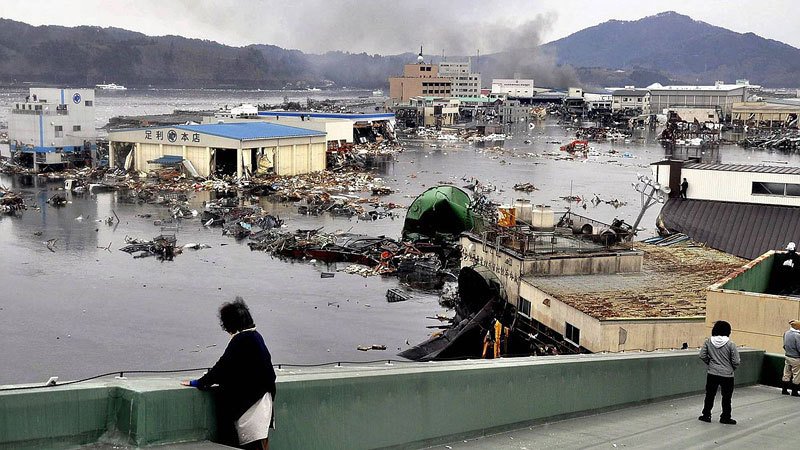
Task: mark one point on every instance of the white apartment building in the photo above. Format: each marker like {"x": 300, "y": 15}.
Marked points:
{"x": 465, "y": 82}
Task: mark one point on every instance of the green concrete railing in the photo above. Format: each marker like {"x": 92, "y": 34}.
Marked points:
{"x": 772, "y": 370}
{"x": 403, "y": 405}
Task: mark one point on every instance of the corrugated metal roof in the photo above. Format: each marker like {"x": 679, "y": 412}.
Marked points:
{"x": 246, "y": 131}
{"x": 672, "y": 284}
{"x": 790, "y": 170}
{"x": 742, "y": 229}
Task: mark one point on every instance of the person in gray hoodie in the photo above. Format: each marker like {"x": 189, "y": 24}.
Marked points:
{"x": 722, "y": 358}
{"x": 791, "y": 368}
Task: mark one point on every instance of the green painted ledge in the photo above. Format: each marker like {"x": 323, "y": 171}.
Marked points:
{"x": 403, "y": 405}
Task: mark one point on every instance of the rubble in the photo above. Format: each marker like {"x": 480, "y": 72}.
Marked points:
{"x": 163, "y": 246}
{"x": 525, "y": 187}
{"x": 786, "y": 140}
{"x": 11, "y": 203}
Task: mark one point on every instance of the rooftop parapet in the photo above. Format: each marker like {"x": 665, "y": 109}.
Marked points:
{"x": 408, "y": 405}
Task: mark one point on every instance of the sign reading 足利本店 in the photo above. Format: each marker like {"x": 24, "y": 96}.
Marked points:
{"x": 172, "y": 136}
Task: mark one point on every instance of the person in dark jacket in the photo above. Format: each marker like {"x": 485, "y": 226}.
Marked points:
{"x": 722, "y": 358}
{"x": 245, "y": 378}
{"x": 684, "y": 188}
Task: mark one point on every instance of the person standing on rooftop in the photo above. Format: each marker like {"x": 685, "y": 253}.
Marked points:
{"x": 791, "y": 368}
{"x": 245, "y": 378}
{"x": 722, "y": 358}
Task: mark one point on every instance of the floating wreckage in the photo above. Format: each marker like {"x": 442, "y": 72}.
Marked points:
{"x": 11, "y": 203}
{"x": 163, "y": 246}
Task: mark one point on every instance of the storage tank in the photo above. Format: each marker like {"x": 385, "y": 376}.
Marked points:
{"x": 524, "y": 210}
{"x": 542, "y": 218}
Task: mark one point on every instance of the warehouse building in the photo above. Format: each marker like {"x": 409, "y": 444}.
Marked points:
{"x": 721, "y": 96}
{"x": 239, "y": 149}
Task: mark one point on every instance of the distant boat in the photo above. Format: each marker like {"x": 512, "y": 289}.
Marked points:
{"x": 313, "y": 89}
{"x": 111, "y": 87}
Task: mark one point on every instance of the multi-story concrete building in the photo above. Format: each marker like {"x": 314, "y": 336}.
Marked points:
{"x": 631, "y": 98}
{"x": 419, "y": 79}
{"x": 53, "y": 126}
{"x": 516, "y": 88}
{"x": 465, "y": 82}
{"x": 720, "y": 95}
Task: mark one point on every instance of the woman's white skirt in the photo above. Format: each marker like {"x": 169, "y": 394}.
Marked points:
{"x": 254, "y": 423}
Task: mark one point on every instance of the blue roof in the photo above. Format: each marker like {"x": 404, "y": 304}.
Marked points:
{"x": 319, "y": 115}
{"x": 245, "y": 131}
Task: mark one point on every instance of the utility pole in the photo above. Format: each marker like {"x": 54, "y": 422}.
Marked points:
{"x": 652, "y": 193}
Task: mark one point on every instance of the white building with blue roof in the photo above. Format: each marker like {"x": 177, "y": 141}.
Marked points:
{"x": 240, "y": 149}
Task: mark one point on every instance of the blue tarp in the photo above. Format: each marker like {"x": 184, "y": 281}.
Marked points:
{"x": 167, "y": 160}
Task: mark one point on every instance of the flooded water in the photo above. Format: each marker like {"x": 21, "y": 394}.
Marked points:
{"x": 84, "y": 310}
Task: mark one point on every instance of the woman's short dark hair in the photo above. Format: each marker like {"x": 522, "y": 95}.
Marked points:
{"x": 721, "y": 328}
{"x": 235, "y": 316}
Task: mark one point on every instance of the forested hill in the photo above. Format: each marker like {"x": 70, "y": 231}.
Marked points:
{"x": 668, "y": 47}
{"x": 687, "y": 49}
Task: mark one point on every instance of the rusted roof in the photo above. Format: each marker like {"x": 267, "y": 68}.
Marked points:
{"x": 744, "y": 168}
{"x": 672, "y": 284}
{"x": 742, "y": 229}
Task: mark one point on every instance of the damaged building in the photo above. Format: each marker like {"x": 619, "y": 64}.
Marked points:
{"x": 600, "y": 298}
{"x": 340, "y": 128}
{"x": 53, "y": 127}
{"x": 239, "y": 149}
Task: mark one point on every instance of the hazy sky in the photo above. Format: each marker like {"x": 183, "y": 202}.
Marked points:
{"x": 388, "y": 27}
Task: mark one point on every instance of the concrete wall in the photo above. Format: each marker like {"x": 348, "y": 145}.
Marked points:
{"x": 510, "y": 267}
{"x": 653, "y": 334}
{"x": 408, "y": 405}
{"x": 605, "y": 335}
{"x": 737, "y": 186}
{"x": 758, "y": 320}
{"x": 555, "y": 314}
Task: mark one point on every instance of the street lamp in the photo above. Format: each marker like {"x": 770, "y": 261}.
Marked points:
{"x": 652, "y": 192}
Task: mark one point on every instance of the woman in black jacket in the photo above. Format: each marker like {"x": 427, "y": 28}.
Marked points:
{"x": 245, "y": 377}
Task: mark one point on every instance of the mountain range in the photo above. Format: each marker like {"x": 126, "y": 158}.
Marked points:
{"x": 666, "y": 48}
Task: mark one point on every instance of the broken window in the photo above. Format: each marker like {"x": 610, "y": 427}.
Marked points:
{"x": 525, "y": 307}
{"x": 573, "y": 334}
{"x": 782, "y": 189}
